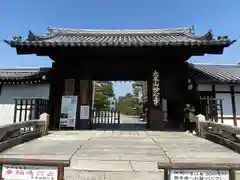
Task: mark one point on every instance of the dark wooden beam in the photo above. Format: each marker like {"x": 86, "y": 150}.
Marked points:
{"x": 31, "y": 50}
{"x": 214, "y": 50}
{"x": 121, "y": 51}
{"x": 233, "y": 105}
{"x": 213, "y": 91}
{"x": 24, "y": 51}
{"x": 77, "y": 93}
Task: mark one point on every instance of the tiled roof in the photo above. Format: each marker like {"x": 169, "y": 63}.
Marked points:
{"x": 205, "y": 73}
{"x": 22, "y": 73}
{"x": 218, "y": 73}
{"x": 120, "y": 38}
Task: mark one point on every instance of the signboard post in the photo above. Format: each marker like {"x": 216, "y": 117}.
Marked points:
{"x": 68, "y": 112}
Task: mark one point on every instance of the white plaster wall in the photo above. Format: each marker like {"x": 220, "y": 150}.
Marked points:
{"x": 221, "y": 87}
{"x": 227, "y": 107}
{"x": 208, "y": 87}
{"x": 237, "y": 88}
{"x": 9, "y": 92}
{"x": 237, "y": 100}
{"x": 227, "y": 102}
{"x": 204, "y": 87}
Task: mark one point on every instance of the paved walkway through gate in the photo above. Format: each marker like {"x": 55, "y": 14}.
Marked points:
{"x": 112, "y": 155}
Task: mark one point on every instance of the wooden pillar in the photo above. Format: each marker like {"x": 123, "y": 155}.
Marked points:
{"x": 77, "y": 93}
{"x": 85, "y": 100}
{"x": 175, "y": 90}
{"x": 50, "y": 111}
{"x": 149, "y": 101}
{"x": 55, "y": 95}
{"x": 233, "y": 105}
{"x": 213, "y": 91}
{"x": 183, "y": 89}
{"x": 84, "y": 93}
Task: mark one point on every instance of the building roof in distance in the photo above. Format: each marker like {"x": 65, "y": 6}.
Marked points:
{"x": 206, "y": 73}
{"x": 224, "y": 73}
{"x": 22, "y": 73}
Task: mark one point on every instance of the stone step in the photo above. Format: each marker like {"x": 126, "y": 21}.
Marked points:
{"x": 106, "y": 165}
{"x": 104, "y": 175}
{"x": 70, "y": 174}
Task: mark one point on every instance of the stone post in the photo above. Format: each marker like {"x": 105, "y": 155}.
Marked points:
{"x": 45, "y": 117}
{"x": 199, "y": 118}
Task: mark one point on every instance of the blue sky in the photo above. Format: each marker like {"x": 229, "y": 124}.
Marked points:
{"x": 17, "y": 17}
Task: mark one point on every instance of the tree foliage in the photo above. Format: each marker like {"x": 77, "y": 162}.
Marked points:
{"x": 103, "y": 90}
{"x": 128, "y": 104}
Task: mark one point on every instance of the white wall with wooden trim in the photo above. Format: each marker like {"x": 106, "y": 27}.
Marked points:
{"x": 11, "y": 91}
{"x": 220, "y": 87}
{"x": 237, "y": 100}
{"x": 223, "y": 92}
{"x": 204, "y": 87}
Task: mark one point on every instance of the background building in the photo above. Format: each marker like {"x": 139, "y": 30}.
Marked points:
{"x": 221, "y": 82}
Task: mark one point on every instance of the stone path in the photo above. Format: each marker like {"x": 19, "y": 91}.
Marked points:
{"x": 126, "y": 119}
{"x": 112, "y": 155}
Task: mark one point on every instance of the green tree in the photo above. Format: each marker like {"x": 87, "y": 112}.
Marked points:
{"x": 128, "y": 104}
{"x": 107, "y": 89}
{"x": 103, "y": 90}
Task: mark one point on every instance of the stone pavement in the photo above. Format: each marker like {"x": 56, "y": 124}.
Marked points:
{"x": 127, "y": 119}
{"x": 112, "y": 155}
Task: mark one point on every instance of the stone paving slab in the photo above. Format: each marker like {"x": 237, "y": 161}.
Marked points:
{"x": 122, "y": 136}
{"x": 103, "y": 165}
{"x": 192, "y": 149}
{"x": 118, "y": 146}
{"x": 155, "y": 151}
{"x": 40, "y": 157}
{"x": 183, "y": 141}
{"x": 93, "y": 175}
{"x": 122, "y": 142}
{"x": 70, "y": 174}
{"x": 143, "y": 166}
{"x": 136, "y": 151}
{"x": 122, "y": 157}
{"x": 50, "y": 147}
{"x": 134, "y": 176}
{"x": 84, "y": 175}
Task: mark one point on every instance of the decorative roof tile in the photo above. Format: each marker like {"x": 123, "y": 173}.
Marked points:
{"x": 120, "y": 38}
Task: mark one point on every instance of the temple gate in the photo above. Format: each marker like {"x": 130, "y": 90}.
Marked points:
{"x": 156, "y": 56}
